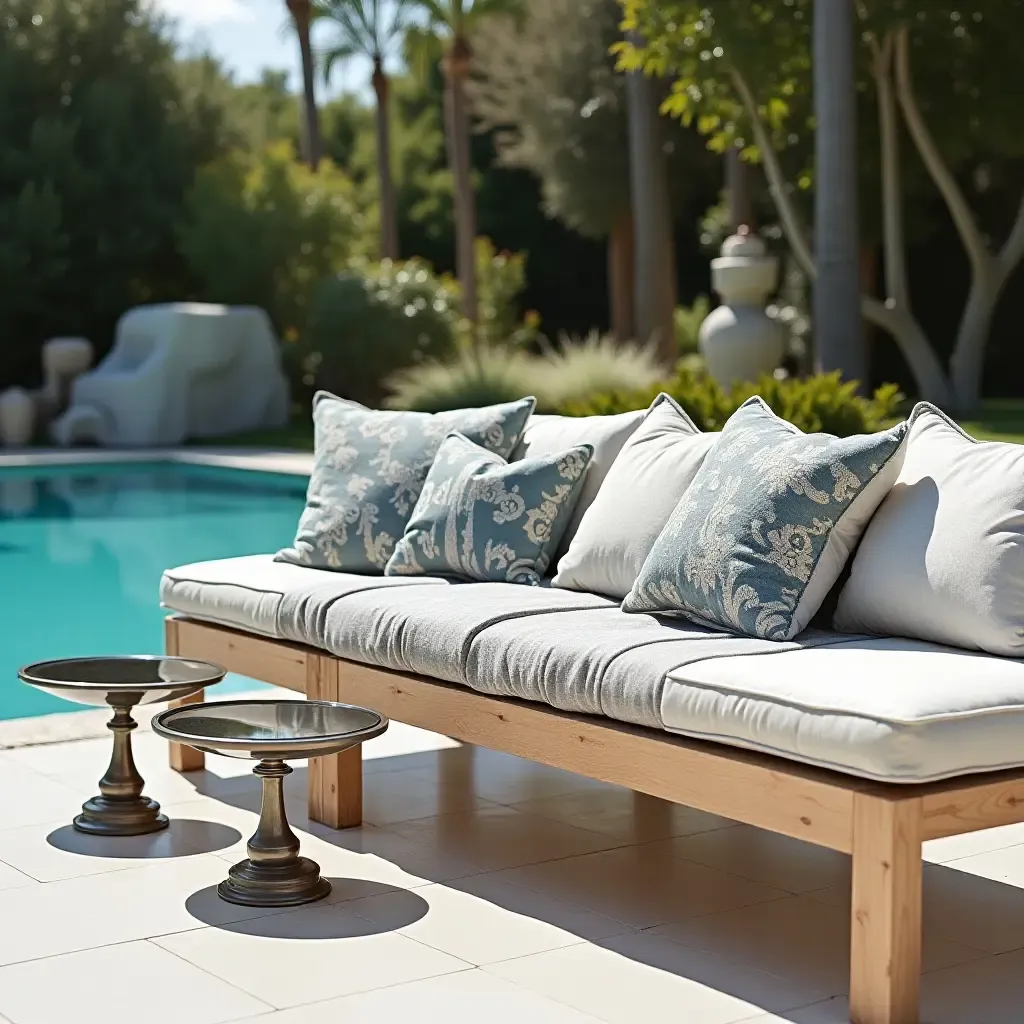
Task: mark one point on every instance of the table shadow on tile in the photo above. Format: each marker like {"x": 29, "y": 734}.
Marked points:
{"x": 184, "y": 837}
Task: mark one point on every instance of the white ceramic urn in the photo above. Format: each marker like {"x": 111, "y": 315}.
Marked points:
{"x": 738, "y": 340}
{"x": 17, "y": 418}
{"x": 64, "y": 359}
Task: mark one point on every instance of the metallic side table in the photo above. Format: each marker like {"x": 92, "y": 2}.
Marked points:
{"x": 121, "y": 683}
{"x": 271, "y": 732}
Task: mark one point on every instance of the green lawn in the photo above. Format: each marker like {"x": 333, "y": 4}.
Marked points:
{"x": 999, "y": 419}
{"x": 297, "y": 435}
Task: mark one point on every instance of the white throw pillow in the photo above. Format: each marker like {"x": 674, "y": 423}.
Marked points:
{"x": 643, "y": 486}
{"x": 943, "y": 557}
{"x": 548, "y": 435}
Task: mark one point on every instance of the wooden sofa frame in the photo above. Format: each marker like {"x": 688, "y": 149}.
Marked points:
{"x": 881, "y": 826}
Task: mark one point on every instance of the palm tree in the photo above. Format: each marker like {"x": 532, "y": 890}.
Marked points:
{"x": 839, "y": 337}
{"x": 454, "y": 21}
{"x": 301, "y": 12}
{"x": 370, "y": 27}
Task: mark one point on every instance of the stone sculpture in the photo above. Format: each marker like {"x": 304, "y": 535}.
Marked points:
{"x": 176, "y": 372}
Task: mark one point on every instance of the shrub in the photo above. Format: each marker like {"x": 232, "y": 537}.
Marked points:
{"x": 820, "y": 403}
{"x": 489, "y": 374}
{"x": 500, "y": 280}
{"x": 687, "y": 321}
{"x": 372, "y": 320}
{"x": 472, "y": 378}
{"x": 579, "y": 368}
{"x": 266, "y": 230}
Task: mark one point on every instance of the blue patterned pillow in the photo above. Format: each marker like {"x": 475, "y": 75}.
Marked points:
{"x": 487, "y": 519}
{"x": 369, "y": 470}
{"x": 763, "y": 532}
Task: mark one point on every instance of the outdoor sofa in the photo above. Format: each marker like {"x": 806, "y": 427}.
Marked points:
{"x": 864, "y": 743}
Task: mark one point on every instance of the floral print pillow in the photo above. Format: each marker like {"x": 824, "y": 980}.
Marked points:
{"x": 761, "y": 535}
{"x": 369, "y": 469}
{"x": 482, "y": 518}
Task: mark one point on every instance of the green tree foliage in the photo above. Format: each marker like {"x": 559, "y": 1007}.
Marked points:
{"x": 266, "y": 230}
{"x": 965, "y": 74}
{"x": 98, "y": 146}
{"x": 943, "y": 74}
{"x": 550, "y": 90}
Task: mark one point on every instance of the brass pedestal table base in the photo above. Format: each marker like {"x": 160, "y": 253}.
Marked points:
{"x": 121, "y": 683}
{"x": 273, "y": 875}
{"x": 272, "y": 731}
{"x": 121, "y": 809}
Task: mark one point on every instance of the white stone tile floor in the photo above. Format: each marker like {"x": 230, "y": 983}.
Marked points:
{"x": 480, "y": 888}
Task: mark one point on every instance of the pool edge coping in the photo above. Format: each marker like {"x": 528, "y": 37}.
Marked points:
{"x": 72, "y": 726}
{"x": 259, "y": 460}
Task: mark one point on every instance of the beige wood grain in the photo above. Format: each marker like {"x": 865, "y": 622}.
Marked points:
{"x": 181, "y": 757}
{"x": 967, "y": 805}
{"x": 336, "y": 781}
{"x": 258, "y": 657}
{"x": 885, "y": 920}
{"x": 759, "y": 791}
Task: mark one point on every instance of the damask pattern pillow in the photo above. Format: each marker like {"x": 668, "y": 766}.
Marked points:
{"x": 764, "y": 530}
{"x": 486, "y": 519}
{"x": 369, "y": 470}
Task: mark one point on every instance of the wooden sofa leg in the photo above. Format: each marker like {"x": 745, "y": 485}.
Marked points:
{"x": 336, "y": 789}
{"x": 182, "y": 758}
{"x": 885, "y": 954}
{"x": 335, "y": 782}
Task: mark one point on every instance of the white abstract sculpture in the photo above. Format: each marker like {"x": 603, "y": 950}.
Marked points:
{"x": 17, "y": 418}
{"x": 180, "y": 371}
{"x": 738, "y": 340}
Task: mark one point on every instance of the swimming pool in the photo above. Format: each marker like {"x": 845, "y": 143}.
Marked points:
{"x": 82, "y": 549}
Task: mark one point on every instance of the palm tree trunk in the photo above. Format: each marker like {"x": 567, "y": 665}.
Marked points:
{"x": 839, "y": 339}
{"x": 457, "y": 64}
{"x": 312, "y": 146}
{"x": 388, "y": 204}
{"x": 652, "y": 221}
{"x": 620, "y": 276}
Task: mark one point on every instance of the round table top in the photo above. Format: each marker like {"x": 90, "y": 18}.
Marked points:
{"x": 122, "y": 680}
{"x": 270, "y": 729}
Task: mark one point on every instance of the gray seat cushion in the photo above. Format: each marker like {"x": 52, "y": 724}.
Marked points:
{"x": 423, "y": 630}
{"x": 888, "y": 709}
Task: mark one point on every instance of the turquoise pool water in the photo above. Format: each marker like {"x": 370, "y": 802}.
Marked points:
{"x": 82, "y": 549}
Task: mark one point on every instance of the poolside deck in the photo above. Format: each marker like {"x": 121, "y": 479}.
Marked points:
{"x": 480, "y": 887}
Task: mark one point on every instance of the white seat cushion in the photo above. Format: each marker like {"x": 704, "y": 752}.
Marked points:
{"x": 248, "y": 592}
{"x": 888, "y": 709}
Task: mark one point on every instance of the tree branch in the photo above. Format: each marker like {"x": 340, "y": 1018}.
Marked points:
{"x": 776, "y": 179}
{"x": 892, "y": 193}
{"x": 939, "y": 170}
{"x": 1012, "y": 251}
{"x": 902, "y": 326}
